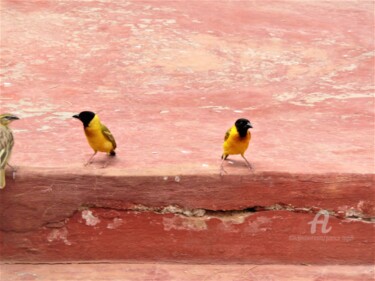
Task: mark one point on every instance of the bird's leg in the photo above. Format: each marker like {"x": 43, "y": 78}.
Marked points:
{"x": 106, "y": 162}
{"x": 90, "y": 160}
{"x": 222, "y": 170}
{"x": 247, "y": 162}
{"x": 14, "y": 170}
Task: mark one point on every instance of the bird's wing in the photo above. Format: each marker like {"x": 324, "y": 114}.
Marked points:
{"x": 6, "y": 144}
{"x": 107, "y": 133}
{"x": 227, "y": 135}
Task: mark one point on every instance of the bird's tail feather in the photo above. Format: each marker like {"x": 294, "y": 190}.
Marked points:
{"x": 2, "y": 178}
{"x": 112, "y": 153}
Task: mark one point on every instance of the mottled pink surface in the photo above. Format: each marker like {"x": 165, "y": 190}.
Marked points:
{"x": 169, "y": 77}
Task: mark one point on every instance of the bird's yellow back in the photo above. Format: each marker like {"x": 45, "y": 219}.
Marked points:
{"x": 234, "y": 143}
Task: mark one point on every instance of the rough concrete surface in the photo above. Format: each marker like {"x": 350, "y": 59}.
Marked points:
{"x": 168, "y": 78}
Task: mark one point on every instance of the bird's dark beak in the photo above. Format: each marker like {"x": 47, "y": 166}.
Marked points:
{"x": 76, "y": 116}
{"x": 249, "y": 125}
{"x": 13, "y": 117}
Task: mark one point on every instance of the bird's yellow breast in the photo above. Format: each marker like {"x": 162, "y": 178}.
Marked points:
{"x": 235, "y": 144}
{"x": 95, "y": 137}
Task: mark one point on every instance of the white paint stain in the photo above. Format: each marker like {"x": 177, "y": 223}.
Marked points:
{"x": 215, "y": 107}
{"x": 59, "y": 234}
{"x": 20, "y": 131}
{"x": 170, "y": 21}
{"x": 142, "y": 25}
{"x": 258, "y": 225}
{"x": 285, "y": 96}
{"x": 311, "y": 98}
{"x": 184, "y": 223}
{"x": 319, "y": 97}
{"x": 44, "y": 128}
{"x": 229, "y": 222}
{"x": 146, "y": 20}
{"x": 29, "y": 108}
{"x": 117, "y": 222}
{"x": 349, "y": 67}
{"x": 90, "y": 219}
{"x": 237, "y": 219}
{"x": 360, "y": 204}
{"x": 63, "y": 115}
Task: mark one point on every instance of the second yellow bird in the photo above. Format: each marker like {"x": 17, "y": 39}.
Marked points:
{"x": 98, "y": 135}
{"x": 236, "y": 141}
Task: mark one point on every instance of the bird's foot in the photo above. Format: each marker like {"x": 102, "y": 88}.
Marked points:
{"x": 223, "y": 171}
{"x": 88, "y": 163}
{"x": 91, "y": 159}
{"x": 251, "y": 168}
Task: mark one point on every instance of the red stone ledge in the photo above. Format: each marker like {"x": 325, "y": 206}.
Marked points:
{"x": 112, "y": 215}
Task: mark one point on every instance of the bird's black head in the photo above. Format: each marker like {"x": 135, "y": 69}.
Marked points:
{"x": 242, "y": 126}
{"x": 85, "y": 117}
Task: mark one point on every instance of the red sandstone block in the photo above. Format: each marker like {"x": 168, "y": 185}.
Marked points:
{"x": 262, "y": 237}
{"x": 69, "y": 216}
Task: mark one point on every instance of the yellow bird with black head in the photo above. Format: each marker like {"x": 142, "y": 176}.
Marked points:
{"x": 236, "y": 141}
{"x": 98, "y": 135}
